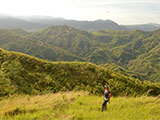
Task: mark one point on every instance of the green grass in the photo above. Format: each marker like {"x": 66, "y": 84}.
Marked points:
{"x": 78, "y": 106}
{"x": 120, "y": 108}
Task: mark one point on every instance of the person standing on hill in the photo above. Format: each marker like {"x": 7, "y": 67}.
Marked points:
{"x": 107, "y": 96}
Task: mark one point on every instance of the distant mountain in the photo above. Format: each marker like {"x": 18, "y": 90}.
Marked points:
{"x": 35, "y": 23}
{"x": 8, "y": 22}
{"x": 17, "y": 40}
{"x": 143, "y": 27}
{"x": 82, "y": 25}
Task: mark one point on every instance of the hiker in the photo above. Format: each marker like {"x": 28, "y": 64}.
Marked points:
{"x": 107, "y": 96}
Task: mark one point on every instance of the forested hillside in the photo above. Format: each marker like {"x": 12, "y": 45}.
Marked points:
{"x": 135, "y": 51}
{"x": 23, "y": 74}
{"x": 17, "y": 40}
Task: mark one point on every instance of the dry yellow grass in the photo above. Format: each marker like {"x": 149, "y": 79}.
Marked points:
{"x": 37, "y": 103}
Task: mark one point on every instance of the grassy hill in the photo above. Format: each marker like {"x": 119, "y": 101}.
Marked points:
{"x": 23, "y": 74}
{"x": 27, "y": 85}
{"x": 17, "y": 40}
{"x": 78, "y": 106}
{"x": 64, "y": 43}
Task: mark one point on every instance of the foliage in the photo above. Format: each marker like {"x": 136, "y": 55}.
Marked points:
{"x": 135, "y": 51}
{"x": 23, "y": 74}
{"x": 120, "y": 108}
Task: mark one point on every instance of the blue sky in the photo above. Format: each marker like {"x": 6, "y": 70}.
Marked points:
{"x": 120, "y": 11}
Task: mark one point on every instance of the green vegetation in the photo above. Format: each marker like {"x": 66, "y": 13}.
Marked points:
{"x": 23, "y": 74}
{"x": 78, "y": 106}
{"x": 17, "y": 40}
{"x": 121, "y": 70}
{"x": 120, "y": 108}
{"x": 27, "y": 85}
{"x": 135, "y": 51}
{"x": 41, "y": 107}
{"x": 36, "y": 89}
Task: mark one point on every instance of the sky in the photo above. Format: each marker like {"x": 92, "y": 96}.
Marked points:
{"x": 120, "y": 11}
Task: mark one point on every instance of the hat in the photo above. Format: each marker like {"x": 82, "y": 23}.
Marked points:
{"x": 106, "y": 87}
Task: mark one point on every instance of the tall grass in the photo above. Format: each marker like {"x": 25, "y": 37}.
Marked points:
{"x": 120, "y": 108}
{"x": 41, "y": 107}
{"x": 78, "y": 106}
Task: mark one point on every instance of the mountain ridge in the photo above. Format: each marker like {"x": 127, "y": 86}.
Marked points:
{"x": 35, "y": 23}
{"x": 24, "y": 74}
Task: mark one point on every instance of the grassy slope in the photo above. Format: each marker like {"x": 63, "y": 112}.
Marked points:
{"x": 23, "y": 74}
{"x": 78, "y": 106}
{"x": 120, "y": 108}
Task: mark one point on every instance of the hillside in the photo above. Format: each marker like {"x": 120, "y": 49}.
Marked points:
{"x": 152, "y": 63}
{"x": 122, "y": 70}
{"x": 23, "y": 74}
{"x": 106, "y": 46}
{"x": 78, "y": 106}
{"x": 64, "y": 43}
{"x": 128, "y": 47}
{"x": 75, "y": 41}
{"x": 17, "y": 40}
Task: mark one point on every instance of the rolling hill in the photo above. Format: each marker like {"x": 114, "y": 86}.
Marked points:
{"x": 17, "y": 40}
{"x": 23, "y": 74}
{"x": 128, "y": 49}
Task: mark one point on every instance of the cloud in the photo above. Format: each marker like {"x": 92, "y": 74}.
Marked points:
{"x": 122, "y": 11}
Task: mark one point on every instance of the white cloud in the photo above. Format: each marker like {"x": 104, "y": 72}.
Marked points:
{"x": 122, "y": 11}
